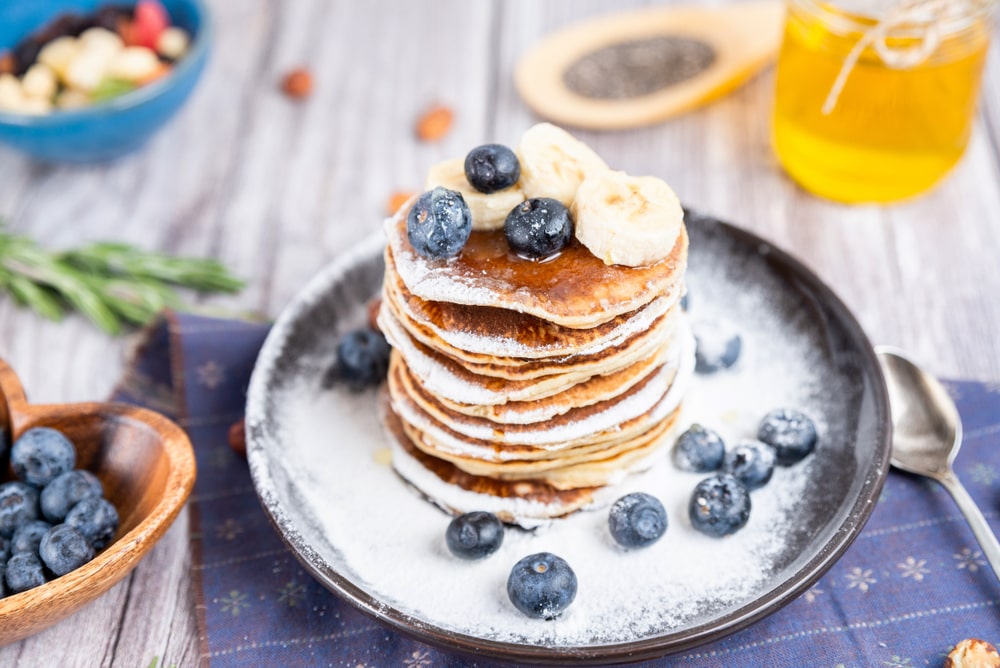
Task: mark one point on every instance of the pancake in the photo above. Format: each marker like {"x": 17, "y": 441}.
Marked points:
{"x": 516, "y": 442}
{"x": 523, "y": 502}
{"x": 446, "y": 377}
{"x": 577, "y": 367}
{"x": 514, "y": 368}
{"x": 572, "y": 289}
{"x": 572, "y": 422}
{"x": 475, "y": 332}
{"x": 590, "y": 391}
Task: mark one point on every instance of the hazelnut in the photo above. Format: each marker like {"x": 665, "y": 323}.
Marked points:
{"x": 973, "y": 653}
{"x": 397, "y": 200}
{"x": 297, "y": 84}
{"x": 434, "y": 123}
{"x": 373, "y": 308}
{"x": 238, "y": 437}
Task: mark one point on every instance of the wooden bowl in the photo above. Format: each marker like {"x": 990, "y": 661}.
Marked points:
{"x": 147, "y": 467}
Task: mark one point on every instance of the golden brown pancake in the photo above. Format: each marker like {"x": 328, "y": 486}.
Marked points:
{"x": 573, "y": 289}
{"x": 472, "y": 332}
{"x": 513, "y": 501}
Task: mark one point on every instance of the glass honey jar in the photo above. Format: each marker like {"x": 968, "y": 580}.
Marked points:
{"x": 875, "y": 99}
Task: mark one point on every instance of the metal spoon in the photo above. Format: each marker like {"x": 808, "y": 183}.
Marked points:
{"x": 926, "y": 436}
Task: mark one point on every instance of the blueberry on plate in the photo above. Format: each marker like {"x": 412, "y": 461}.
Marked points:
{"x": 28, "y": 536}
{"x": 24, "y": 572}
{"x": 96, "y": 519}
{"x": 66, "y": 491}
{"x": 18, "y": 505}
{"x": 492, "y": 167}
{"x": 750, "y": 462}
{"x": 474, "y": 535}
{"x": 791, "y": 433}
{"x": 541, "y": 585}
{"x": 537, "y": 228}
{"x": 717, "y": 346}
{"x": 699, "y": 450}
{"x": 719, "y": 506}
{"x": 41, "y": 454}
{"x": 64, "y": 549}
{"x": 637, "y": 520}
{"x": 362, "y": 358}
{"x": 439, "y": 223}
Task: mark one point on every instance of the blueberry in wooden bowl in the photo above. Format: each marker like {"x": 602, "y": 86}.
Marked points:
{"x": 146, "y": 470}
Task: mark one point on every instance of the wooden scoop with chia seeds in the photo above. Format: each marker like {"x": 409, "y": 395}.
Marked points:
{"x": 638, "y": 68}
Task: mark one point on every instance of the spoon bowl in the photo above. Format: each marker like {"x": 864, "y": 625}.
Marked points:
{"x": 926, "y": 437}
{"x": 146, "y": 466}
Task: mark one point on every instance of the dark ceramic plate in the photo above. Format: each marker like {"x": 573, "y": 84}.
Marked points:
{"x": 320, "y": 466}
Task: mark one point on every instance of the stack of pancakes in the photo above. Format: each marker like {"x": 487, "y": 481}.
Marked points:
{"x": 524, "y": 388}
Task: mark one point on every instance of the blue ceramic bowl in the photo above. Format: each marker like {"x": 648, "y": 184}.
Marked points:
{"x": 110, "y": 129}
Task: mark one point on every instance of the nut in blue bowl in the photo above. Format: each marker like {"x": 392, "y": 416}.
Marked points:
{"x": 117, "y": 126}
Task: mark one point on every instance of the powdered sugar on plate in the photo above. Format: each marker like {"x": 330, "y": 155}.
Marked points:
{"x": 320, "y": 467}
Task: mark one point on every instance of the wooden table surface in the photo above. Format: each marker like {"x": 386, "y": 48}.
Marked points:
{"x": 276, "y": 188}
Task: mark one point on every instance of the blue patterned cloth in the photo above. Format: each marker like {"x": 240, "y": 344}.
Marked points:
{"x": 912, "y": 585}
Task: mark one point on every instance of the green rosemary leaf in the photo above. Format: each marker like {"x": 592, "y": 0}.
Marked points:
{"x": 41, "y": 300}
{"x": 112, "y": 284}
{"x": 204, "y": 275}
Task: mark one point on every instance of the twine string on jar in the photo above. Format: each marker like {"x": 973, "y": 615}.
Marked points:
{"x": 932, "y": 14}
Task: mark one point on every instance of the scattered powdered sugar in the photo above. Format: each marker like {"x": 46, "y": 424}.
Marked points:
{"x": 324, "y": 474}
{"x": 375, "y": 530}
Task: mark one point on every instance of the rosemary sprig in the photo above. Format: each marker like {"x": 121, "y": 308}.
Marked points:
{"x": 112, "y": 284}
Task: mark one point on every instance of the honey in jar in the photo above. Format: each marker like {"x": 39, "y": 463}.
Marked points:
{"x": 877, "y": 104}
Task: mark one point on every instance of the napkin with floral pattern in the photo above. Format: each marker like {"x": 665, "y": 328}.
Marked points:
{"x": 912, "y": 585}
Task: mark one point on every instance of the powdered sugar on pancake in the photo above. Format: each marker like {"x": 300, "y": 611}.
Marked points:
{"x": 656, "y": 400}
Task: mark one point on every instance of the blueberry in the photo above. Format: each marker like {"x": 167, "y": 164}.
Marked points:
{"x": 18, "y": 505}
{"x": 24, "y": 572}
{"x": 64, "y": 549}
{"x": 750, "y": 462}
{"x": 96, "y": 519}
{"x": 791, "y": 433}
{"x": 66, "y": 491}
{"x": 41, "y": 454}
{"x": 439, "y": 223}
{"x": 719, "y": 506}
{"x": 537, "y": 228}
{"x": 699, "y": 449}
{"x": 637, "y": 520}
{"x": 718, "y": 347}
{"x": 362, "y": 359}
{"x": 474, "y": 535}
{"x": 5, "y": 550}
{"x": 492, "y": 167}
{"x": 27, "y": 538}
{"x": 541, "y": 585}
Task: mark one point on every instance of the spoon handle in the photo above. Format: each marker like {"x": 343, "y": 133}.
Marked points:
{"x": 987, "y": 539}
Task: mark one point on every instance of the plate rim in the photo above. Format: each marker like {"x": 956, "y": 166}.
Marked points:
{"x": 647, "y": 648}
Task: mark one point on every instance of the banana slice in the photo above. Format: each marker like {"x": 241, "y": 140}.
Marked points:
{"x": 554, "y": 163}
{"x": 488, "y": 211}
{"x": 630, "y": 220}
